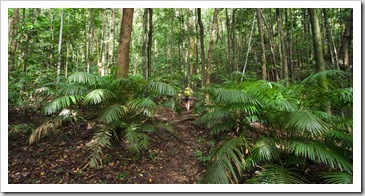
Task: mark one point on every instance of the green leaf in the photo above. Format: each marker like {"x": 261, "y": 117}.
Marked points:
{"x": 98, "y": 96}
{"x": 161, "y": 88}
{"x": 274, "y": 174}
{"x": 337, "y": 178}
{"x": 60, "y": 103}
{"x": 112, "y": 113}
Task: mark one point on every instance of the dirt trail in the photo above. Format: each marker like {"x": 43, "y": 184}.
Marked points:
{"x": 57, "y": 158}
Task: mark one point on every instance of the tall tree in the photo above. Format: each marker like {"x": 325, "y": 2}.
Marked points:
{"x": 331, "y": 46}
{"x": 346, "y": 41}
{"x": 122, "y": 67}
{"x": 13, "y": 44}
{"x": 202, "y": 46}
{"x": 263, "y": 59}
{"x": 144, "y": 43}
{"x": 210, "y": 48}
{"x": 284, "y": 62}
{"x": 318, "y": 55}
{"x": 111, "y": 39}
{"x": 149, "y": 44}
{"x": 59, "y": 49}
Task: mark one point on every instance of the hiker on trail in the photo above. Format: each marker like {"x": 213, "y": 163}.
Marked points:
{"x": 187, "y": 93}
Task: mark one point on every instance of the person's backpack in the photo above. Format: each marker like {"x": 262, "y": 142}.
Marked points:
{"x": 187, "y": 92}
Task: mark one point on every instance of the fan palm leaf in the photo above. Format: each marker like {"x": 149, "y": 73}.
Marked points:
{"x": 100, "y": 140}
{"x": 161, "y": 88}
{"x": 265, "y": 149}
{"x": 86, "y": 79}
{"x": 337, "y": 178}
{"x": 144, "y": 105}
{"x": 312, "y": 79}
{"x": 319, "y": 152}
{"x": 303, "y": 122}
{"x": 275, "y": 174}
{"x": 98, "y": 96}
{"x": 60, "y": 103}
{"x": 72, "y": 90}
{"x": 227, "y": 162}
{"x": 135, "y": 139}
{"x": 112, "y": 113}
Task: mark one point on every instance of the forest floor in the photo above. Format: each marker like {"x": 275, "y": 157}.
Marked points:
{"x": 59, "y": 157}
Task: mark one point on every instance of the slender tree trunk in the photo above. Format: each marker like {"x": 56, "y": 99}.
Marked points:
{"x": 259, "y": 23}
{"x": 101, "y": 64}
{"x": 90, "y": 55}
{"x": 66, "y": 64}
{"x": 346, "y": 41}
{"x": 229, "y": 65}
{"x": 234, "y": 40}
{"x": 331, "y": 47}
{"x": 202, "y": 46}
{"x": 211, "y": 46}
{"x": 192, "y": 47}
{"x": 149, "y": 44}
{"x": 122, "y": 67}
{"x": 111, "y": 41}
{"x": 14, "y": 43}
{"x": 272, "y": 46}
{"x": 284, "y": 62}
{"x": 59, "y": 50}
{"x": 317, "y": 45}
{"x": 144, "y": 44}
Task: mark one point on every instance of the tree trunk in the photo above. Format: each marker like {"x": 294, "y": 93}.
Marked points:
{"x": 101, "y": 69}
{"x": 211, "y": 45}
{"x": 229, "y": 65}
{"x": 284, "y": 62}
{"x": 13, "y": 44}
{"x": 259, "y": 23}
{"x": 122, "y": 67}
{"x": 111, "y": 41}
{"x": 59, "y": 50}
{"x": 317, "y": 45}
{"x": 331, "y": 47}
{"x": 149, "y": 44}
{"x": 144, "y": 44}
{"x": 192, "y": 47}
{"x": 202, "y": 46}
{"x": 347, "y": 37}
{"x": 90, "y": 55}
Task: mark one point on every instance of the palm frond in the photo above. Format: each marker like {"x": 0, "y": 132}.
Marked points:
{"x": 319, "y": 152}
{"x": 98, "y": 96}
{"x": 282, "y": 104}
{"x": 227, "y": 162}
{"x": 274, "y": 174}
{"x": 135, "y": 139}
{"x": 229, "y": 96}
{"x": 312, "y": 79}
{"x": 60, "y": 103}
{"x": 303, "y": 122}
{"x": 345, "y": 95}
{"x": 250, "y": 109}
{"x": 112, "y": 113}
{"x": 337, "y": 178}
{"x": 86, "y": 78}
{"x": 144, "y": 105}
{"x": 100, "y": 140}
{"x": 215, "y": 117}
{"x": 44, "y": 129}
{"x": 161, "y": 88}
{"x": 338, "y": 137}
{"x": 72, "y": 90}
{"x": 265, "y": 149}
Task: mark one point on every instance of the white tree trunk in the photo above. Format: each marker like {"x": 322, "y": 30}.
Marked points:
{"x": 59, "y": 50}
